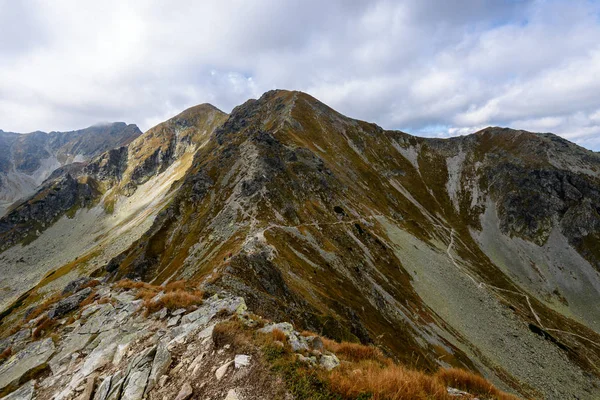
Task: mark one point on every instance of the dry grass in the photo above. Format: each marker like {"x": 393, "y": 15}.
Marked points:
{"x": 91, "y": 284}
{"x": 355, "y": 352}
{"x": 308, "y": 334}
{"x": 128, "y": 284}
{"x": 233, "y": 333}
{"x": 392, "y": 382}
{"x": 43, "y": 307}
{"x": 175, "y": 300}
{"x": 6, "y": 354}
{"x": 176, "y": 285}
{"x": 44, "y": 326}
{"x": 88, "y": 300}
{"x": 279, "y": 335}
{"x": 472, "y": 383}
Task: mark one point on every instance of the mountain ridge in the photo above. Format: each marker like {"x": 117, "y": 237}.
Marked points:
{"x": 357, "y": 233}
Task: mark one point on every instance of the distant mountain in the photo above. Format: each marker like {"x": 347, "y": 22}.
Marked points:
{"x": 481, "y": 251}
{"x": 26, "y": 160}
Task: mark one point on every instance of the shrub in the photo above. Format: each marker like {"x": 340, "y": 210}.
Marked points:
{"x": 128, "y": 284}
{"x": 176, "y": 285}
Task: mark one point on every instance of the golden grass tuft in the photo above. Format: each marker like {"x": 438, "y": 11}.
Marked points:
{"x": 43, "y": 307}
{"x": 391, "y": 382}
{"x": 43, "y": 326}
{"x": 354, "y": 352}
{"x": 128, "y": 284}
{"x": 278, "y": 335}
{"x": 472, "y": 383}
{"x": 231, "y": 332}
{"x": 175, "y": 300}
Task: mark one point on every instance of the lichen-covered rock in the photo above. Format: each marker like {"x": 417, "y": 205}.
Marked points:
{"x": 64, "y": 306}
{"x": 160, "y": 364}
{"x": 26, "y": 362}
{"x": 25, "y": 392}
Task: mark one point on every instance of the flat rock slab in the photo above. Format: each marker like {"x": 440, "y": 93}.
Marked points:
{"x": 32, "y": 357}
{"x": 25, "y": 392}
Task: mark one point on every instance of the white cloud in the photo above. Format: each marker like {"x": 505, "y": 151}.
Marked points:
{"x": 409, "y": 64}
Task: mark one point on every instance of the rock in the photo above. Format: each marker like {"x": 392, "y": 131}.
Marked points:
{"x": 196, "y": 363}
{"x": 16, "y": 341}
{"x": 162, "y": 314}
{"x": 135, "y": 384}
{"x": 73, "y": 343}
{"x": 296, "y": 343}
{"x": 179, "y": 311}
{"x": 27, "y": 361}
{"x": 232, "y": 395}
{"x": 163, "y": 380}
{"x": 458, "y": 393}
{"x": 89, "y": 389}
{"x": 103, "y": 320}
{"x": 101, "y": 356}
{"x": 103, "y": 389}
{"x": 75, "y": 285}
{"x": 185, "y": 392}
{"x": 315, "y": 342}
{"x": 329, "y": 361}
{"x": 222, "y": 370}
{"x": 285, "y": 327}
{"x": 25, "y": 392}
{"x": 206, "y": 332}
{"x": 160, "y": 365}
{"x": 116, "y": 383}
{"x": 173, "y": 321}
{"x": 67, "y": 305}
{"x": 241, "y": 360}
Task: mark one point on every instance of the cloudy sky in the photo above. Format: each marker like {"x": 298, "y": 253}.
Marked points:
{"x": 435, "y": 68}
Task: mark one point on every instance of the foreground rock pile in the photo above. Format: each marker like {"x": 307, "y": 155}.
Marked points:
{"x": 112, "y": 350}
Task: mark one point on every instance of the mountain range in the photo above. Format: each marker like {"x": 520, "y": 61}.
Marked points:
{"x": 480, "y": 251}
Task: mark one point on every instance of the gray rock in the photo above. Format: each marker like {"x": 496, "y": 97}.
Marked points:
{"x": 185, "y": 392}
{"x": 116, "y": 384}
{"x": 75, "y": 285}
{"x": 160, "y": 365}
{"x": 101, "y": 356}
{"x": 296, "y": 343}
{"x": 25, "y": 392}
{"x": 173, "y": 321}
{"x": 315, "y": 342}
{"x": 285, "y": 327}
{"x": 33, "y": 357}
{"x": 222, "y": 370}
{"x": 329, "y": 361}
{"x": 241, "y": 360}
{"x": 179, "y": 311}
{"x": 136, "y": 384}
{"x": 69, "y": 304}
{"x": 103, "y": 389}
{"x": 89, "y": 389}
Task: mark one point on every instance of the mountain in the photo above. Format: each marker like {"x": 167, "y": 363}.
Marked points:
{"x": 26, "y": 160}
{"x": 480, "y": 252}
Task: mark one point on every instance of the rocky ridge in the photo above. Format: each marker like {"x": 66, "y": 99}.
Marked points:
{"x": 104, "y": 347}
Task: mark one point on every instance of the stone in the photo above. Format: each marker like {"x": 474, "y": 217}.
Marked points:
{"x": 173, "y": 321}
{"x": 103, "y": 389}
{"x": 33, "y": 357}
{"x": 160, "y": 364}
{"x": 241, "y": 360}
{"x": 75, "y": 285}
{"x": 72, "y": 344}
{"x": 232, "y": 395}
{"x": 315, "y": 342}
{"x": 89, "y": 389}
{"x": 222, "y": 370}
{"x": 329, "y": 361}
{"x": 116, "y": 383}
{"x": 101, "y": 356}
{"x": 135, "y": 384}
{"x": 25, "y": 392}
{"x": 179, "y": 311}
{"x": 185, "y": 392}
{"x": 285, "y": 327}
{"x": 67, "y": 305}
{"x": 296, "y": 344}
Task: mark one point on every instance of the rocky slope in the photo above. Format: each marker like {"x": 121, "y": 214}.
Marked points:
{"x": 26, "y": 160}
{"x": 479, "y": 251}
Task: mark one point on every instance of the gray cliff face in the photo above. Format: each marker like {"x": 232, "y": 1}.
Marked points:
{"x": 27, "y": 160}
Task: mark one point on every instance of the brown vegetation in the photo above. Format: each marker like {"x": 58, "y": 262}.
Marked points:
{"x": 6, "y": 354}
{"x": 231, "y": 332}
{"x": 278, "y": 335}
{"x": 175, "y": 300}
{"x": 43, "y": 326}
{"x": 43, "y": 307}
{"x": 474, "y": 384}
{"x": 354, "y": 352}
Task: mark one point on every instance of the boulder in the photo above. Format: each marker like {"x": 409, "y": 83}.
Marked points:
{"x": 232, "y": 395}
{"x": 135, "y": 384}
{"x": 329, "y": 361}
{"x": 241, "y": 360}
{"x": 26, "y": 362}
{"x": 69, "y": 304}
{"x": 75, "y": 285}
